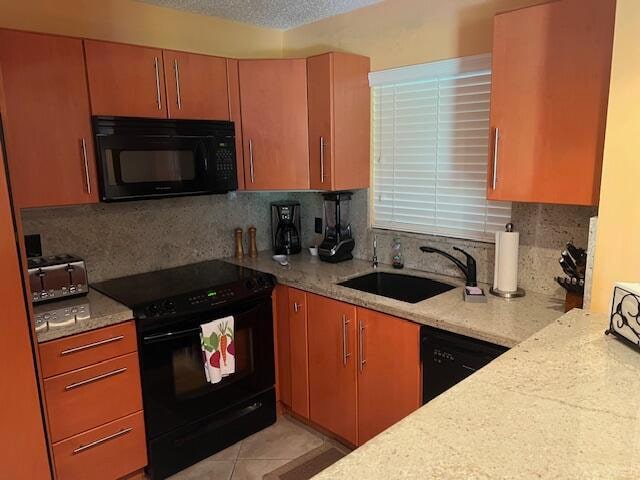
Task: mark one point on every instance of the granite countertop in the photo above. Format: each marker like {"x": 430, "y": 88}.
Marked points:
{"x": 103, "y": 312}
{"x": 564, "y": 404}
{"x": 500, "y": 321}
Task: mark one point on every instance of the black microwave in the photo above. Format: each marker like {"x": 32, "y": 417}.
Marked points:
{"x": 142, "y": 158}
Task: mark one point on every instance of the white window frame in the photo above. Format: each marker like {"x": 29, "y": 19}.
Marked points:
{"x": 434, "y": 71}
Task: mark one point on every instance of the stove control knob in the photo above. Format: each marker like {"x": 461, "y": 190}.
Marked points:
{"x": 170, "y": 305}
{"x": 153, "y": 309}
{"x": 261, "y": 282}
{"x": 250, "y": 284}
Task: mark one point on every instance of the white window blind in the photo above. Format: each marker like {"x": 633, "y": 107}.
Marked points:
{"x": 430, "y": 147}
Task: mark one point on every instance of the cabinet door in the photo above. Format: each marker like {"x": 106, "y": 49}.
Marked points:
{"x": 339, "y": 121}
{"x": 125, "y": 80}
{"x": 298, "y": 328}
{"x": 551, "y": 66}
{"x": 273, "y": 94}
{"x": 23, "y": 445}
{"x": 280, "y": 302}
{"x": 320, "y": 99}
{"x": 332, "y": 366}
{"x": 196, "y": 86}
{"x": 47, "y": 123}
{"x": 389, "y": 371}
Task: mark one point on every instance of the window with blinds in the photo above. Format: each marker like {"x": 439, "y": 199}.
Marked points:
{"x": 430, "y": 146}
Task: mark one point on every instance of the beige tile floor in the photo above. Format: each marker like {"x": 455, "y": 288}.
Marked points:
{"x": 256, "y": 455}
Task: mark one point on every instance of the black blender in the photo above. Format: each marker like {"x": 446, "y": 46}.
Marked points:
{"x": 338, "y": 241}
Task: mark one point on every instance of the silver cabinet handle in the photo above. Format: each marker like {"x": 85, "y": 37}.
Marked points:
{"x": 322, "y": 145}
{"x": 296, "y": 307}
{"x": 91, "y": 345}
{"x": 85, "y": 162}
{"x": 95, "y": 443}
{"x": 496, "y": 156}
{"x": 158, "y": 99}
{"x": 176, "y": 69}
{"x": 345, "y": 353}
{"x": 253, "y": 179}
{"x": 466, "y": 367}
{"x": 71, "y": 386}
{"x": 363, "y": 361}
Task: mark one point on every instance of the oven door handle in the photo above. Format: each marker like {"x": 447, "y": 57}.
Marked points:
{"x": 160, "y": 337}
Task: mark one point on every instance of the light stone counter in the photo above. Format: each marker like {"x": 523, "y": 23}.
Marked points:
{"x": 504, "y": 322}
{"x": 104, "y": 312}
{"x": 564, "y": 404}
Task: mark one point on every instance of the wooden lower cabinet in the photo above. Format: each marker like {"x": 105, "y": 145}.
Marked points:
{"x": 107, "y": 452}
{"x": 350, "y": 370}
{"x": 332, "y": 366}
{"x": 389, "y": 373}
{"x": 298, "y": 328}
{"x": 94, "y": 404}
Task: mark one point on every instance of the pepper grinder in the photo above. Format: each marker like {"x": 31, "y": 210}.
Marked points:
{"x": 239, "y": 246}
{"x": 253, "y": 249}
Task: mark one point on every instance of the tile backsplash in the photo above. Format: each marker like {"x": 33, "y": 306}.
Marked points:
{"x": 124, "y": 238}
{"x": 119, "y": 239}
{"x": 544, "y": 231}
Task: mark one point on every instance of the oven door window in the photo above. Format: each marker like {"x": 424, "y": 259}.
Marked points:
{"x": 174, "y": 382}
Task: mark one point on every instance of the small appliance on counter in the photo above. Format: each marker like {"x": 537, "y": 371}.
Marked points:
{"x": 57, "y": 277}
{"x": 338, "y": 240}
{"x": 61, "y": 314}
{"x": 285, "y": 228}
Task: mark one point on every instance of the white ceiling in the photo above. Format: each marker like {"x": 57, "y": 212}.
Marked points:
{"x": 281, "y": 14}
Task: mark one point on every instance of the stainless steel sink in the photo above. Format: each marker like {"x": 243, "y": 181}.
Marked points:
{"x": 406, "y": 288}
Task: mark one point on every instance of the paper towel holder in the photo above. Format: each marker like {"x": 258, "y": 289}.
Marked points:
{"x": 499, "y": 293}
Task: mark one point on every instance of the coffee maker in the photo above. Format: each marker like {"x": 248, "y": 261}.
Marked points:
{"x": 285, "y": 228}
{"x": 338, "y": 241}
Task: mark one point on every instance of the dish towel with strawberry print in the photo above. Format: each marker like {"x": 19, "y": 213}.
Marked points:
{"x": 218, "y": 349}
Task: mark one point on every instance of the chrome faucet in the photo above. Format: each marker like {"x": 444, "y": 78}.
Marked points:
{"x": 374, "y": 260}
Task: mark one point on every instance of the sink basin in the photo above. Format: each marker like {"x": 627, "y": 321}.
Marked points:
{"x": 406, "y": 288}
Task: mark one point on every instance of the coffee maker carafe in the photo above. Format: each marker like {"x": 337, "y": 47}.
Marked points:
{"x": 338, "y": 241}
{"x": 285, "y": 228}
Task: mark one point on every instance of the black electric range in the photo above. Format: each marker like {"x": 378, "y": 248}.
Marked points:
{"x": 187, "y": 418}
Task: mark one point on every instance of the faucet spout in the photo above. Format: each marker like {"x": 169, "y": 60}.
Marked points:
{"x": 469, "y": 270}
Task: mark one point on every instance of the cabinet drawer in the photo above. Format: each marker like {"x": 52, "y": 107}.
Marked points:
{"x": 71, "y": 353}
{"x": 92, "y": 396}
{"x": 104, "y": 453}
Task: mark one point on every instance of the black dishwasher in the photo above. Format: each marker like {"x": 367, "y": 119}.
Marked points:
{"x": 449, "y": 358}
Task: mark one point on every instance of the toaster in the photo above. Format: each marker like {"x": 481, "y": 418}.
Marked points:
{"x": 56, "y": 277}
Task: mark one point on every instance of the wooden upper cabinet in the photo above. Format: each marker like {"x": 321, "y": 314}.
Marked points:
{"x": 339, "y": 121}
{"x": 332, "y": 365}
{"x": 273, "y": 95}
{"x": 125, "y": 80}
{"x": 551, "y": 68}
{"x": 47, "y": 121}
{"x": 196, "y": 86}
{"x": 389, "y": 374}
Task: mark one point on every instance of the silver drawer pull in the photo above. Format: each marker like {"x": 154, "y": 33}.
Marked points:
{"x": 95, "y": 443}
{"x": 95, "y": 379}
{"x": 91, "y": 345}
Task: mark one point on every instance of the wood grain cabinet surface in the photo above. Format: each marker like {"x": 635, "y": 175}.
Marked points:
{"x": 332, "y": 366}
{"x": 196, "y": 86}
{"x": 389, "y": 371}
{"x": 551, "y": 69}
{"x": 47, "y": 123}
{"x": 339, "y": 121}
{"x": 273, "y": 97}
{"x": 125, "y": 80}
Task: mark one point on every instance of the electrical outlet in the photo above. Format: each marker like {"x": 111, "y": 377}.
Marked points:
{"x": 318, "y": 225}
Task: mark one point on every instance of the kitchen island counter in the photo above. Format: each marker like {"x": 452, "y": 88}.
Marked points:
{"x": 564, "y": 404}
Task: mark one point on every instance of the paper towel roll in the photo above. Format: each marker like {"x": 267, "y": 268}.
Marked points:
{"x": 505, "y": 277}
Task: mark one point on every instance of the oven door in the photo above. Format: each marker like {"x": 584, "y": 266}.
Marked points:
{"x": 175, "y": 389}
